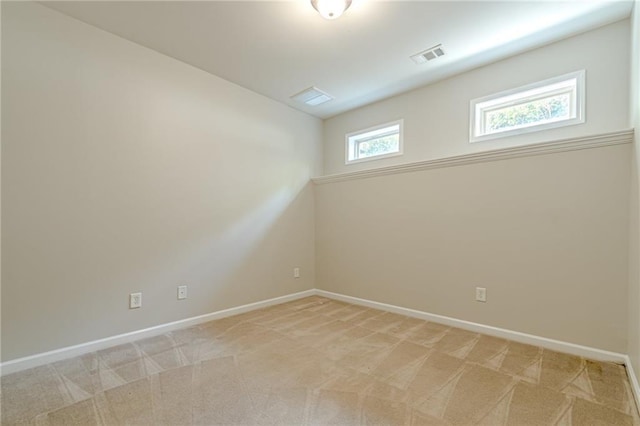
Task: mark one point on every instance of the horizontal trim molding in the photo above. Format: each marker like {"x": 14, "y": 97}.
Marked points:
{"x": 562, "y": 145}
{"x": 96, "y": 345}
{"x": 516, "y": 336}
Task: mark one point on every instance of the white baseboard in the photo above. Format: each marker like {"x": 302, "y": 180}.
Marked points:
{"x": 633, "y": 379}
{"x": 36, "y": 360}
{"x": 556, "y": 345}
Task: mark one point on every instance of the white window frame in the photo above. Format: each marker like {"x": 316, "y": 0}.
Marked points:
{"x": 528, "y": 93}
{"x": 351, "y": 143}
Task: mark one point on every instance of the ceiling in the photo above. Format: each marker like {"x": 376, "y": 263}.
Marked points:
{"x": 279, "y": 48}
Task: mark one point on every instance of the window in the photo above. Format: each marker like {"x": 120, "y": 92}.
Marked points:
{"x": 374, "y": 143}
{"x": 547, "y": 104}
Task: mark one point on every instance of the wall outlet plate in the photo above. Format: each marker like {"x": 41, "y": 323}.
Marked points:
{"x": 135, "y": 300}
{"x": 296, "y": 272}
{"x": 481, "y": 294}
{"x": 182, "y": 292}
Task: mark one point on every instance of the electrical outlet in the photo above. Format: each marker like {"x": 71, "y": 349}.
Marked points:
{"x": 182, "y": 292}
{"x": 135, "y": 300}
{"x": 296, "y": 272}
{"x": 481, "y": 294}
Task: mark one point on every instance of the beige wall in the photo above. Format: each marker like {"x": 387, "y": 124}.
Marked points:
{"x": 546, "y": 235}
{"x": 634, "y": 231}
{"x": 436, "y": 117}
{"x": 0, "y": 187}
{"x": 124, "y": 170}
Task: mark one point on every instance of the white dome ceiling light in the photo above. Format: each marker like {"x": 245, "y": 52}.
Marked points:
{"x": 331, "y": 9}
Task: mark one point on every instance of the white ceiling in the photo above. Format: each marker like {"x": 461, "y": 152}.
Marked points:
{"x": 278, "y": 48}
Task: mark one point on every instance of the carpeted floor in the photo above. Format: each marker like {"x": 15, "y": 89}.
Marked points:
{"x": 318, "y": 361}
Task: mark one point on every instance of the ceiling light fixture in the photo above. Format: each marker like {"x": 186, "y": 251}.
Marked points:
{"x": 331, "y": 9}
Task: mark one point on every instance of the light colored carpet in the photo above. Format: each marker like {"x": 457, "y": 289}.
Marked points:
{"x": 318, "y": 361}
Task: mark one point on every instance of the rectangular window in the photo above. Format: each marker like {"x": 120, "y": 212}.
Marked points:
{"x": 374, "y": 143}
{"x": 551, "y": 103}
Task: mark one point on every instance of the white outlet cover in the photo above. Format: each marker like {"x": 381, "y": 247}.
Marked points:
{"x": 182, "y": 292}
{"x": 135, "y": 300}
{"x": 296, "y": 272}
{"x": 481, "y": 294}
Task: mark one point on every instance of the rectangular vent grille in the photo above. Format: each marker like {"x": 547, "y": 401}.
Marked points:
{"x": 312, "y": 96}
{"x": 428, "y": 55}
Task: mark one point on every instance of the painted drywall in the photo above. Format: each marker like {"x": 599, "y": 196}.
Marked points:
{"x": 436, "y": 117}
{"x": 545, "y": 235}
{"x": 124, "y": 170}
{"x": 0, "y": 186}
{"x": 634, "y": 202}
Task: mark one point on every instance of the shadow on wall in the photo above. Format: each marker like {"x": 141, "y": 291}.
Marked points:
{"x": 235, "y": 249}
{"x": 253, "y": 258}
{"x": 127, "y": 171}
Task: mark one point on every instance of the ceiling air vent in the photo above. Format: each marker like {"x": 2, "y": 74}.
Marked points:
{"x": 428, "y": 55}
{"x": 312, "y": 96}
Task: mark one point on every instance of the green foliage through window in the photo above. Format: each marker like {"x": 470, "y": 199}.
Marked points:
{"x": 547, "y": 104}
{"x": 378, "y": 146}
{"x": 539, "y": 111}
{"x": 379, "y": 141}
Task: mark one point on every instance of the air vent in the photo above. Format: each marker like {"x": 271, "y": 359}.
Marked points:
{"x": 428, "y": 55}
{"x": 312, "y": 96}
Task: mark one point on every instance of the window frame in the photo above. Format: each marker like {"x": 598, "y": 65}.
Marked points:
{"x": 477, "y": 113}
{"x": 350, "y": 135}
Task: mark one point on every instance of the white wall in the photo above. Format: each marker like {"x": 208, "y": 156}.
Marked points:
{"x": 436, "y": 117}
{"x": 546, "y": 235}
{"x": 634, "y": 231}
{"x": 0, "y": 187}
{"x": 124, "y": 170}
